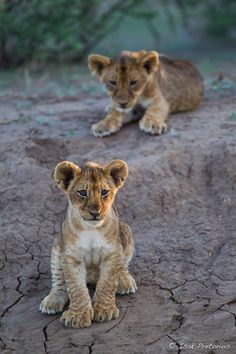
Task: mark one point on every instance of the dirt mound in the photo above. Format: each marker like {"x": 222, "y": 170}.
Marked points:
{"x": 46, "y": 152}
{"x": 179, "y": 200}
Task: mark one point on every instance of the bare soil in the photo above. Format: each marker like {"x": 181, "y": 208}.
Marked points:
{"x": 179, "y": 200}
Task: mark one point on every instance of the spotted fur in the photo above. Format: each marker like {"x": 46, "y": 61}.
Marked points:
{"x": 94, "y": 247}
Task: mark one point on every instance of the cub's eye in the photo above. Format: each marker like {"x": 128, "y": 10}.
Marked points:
{"x": 112, "y": 82}
{"x": 82, "y": 193}
{"x": 133, "y": 83}
{"x": 104, "y": 193}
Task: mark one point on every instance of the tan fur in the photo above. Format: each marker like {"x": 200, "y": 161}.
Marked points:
{"x": 159, "y": 84}
{"x": 94, "y": 247}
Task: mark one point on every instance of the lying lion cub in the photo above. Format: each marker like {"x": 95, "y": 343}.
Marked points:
{"x": 157, "y": 83}
{"x": 95, "y": 246}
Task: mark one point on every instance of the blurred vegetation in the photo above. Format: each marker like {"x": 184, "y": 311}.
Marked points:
{"x": 217, "y": 17}
{"x": 62, "y": 30}
{"x": 56, "y": 29}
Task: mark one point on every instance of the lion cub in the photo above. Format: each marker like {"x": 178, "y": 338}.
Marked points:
{"x": 94, "y": 247}
{"x": 156, "y": 83}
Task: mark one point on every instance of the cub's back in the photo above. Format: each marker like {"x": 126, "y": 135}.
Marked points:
{"x": 181, "y": 84}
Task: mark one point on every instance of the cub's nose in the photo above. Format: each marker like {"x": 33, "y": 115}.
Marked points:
{"x": 123, "y": 104}
{"x": 94, "y": 214}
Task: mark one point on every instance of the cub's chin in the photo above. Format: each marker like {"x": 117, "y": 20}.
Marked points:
{"x": 93, "y": 224}
{"x": 124, "y": 110}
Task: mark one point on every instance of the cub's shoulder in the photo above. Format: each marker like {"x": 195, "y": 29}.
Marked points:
{"x": 125, "y": 235}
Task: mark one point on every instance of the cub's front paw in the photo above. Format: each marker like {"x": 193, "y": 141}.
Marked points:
{"x": 53, "y": 303}
{"x": 104, "y": 313}
{"x": 105, "y": 127}
{"x": 74, "y": 319}
{"x": 152, "y": 125}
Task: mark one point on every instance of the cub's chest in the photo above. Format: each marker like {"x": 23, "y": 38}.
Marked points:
{"x": 145, "y": 102}
{"x": 93, "y": 246}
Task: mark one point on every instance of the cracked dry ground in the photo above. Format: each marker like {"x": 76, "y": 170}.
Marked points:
{"x": 179, "y": 200}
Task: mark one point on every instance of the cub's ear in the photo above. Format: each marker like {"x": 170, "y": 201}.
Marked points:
{"x": 118, "y": 170}
{"x": 150, "y": 61}
{"x": 97, "y": 63}
{"x": 64, "y": 173}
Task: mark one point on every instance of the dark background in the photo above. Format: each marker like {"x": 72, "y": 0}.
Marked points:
{"x": 44, "y": 44}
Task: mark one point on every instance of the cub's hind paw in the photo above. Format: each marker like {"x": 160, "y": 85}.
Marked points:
{"x": 126, "y": 284}
{"x": 53, "y": 304}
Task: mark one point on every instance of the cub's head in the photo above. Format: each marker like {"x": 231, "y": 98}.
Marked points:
{"x": 91, "y": 189}
{"x": 125, "y": 77}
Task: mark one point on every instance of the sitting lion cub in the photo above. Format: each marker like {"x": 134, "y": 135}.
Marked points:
{"x": 156, "y": 83}
{"x": 95, "y": 246}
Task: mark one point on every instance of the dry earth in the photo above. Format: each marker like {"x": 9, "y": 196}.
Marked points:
{"x": 179, "y": 200}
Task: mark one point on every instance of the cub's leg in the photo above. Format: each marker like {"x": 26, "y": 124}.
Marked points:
{"x": 155, "y": 116}
{"x": 80, "y": 312}
{"x": 104, "y": 298}
{"x": 57, "y": 298}
{"x": 110, "y": 124}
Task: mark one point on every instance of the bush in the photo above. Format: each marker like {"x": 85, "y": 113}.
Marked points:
{"x": 67, "y": 30}
{"x": 55, "y": 29}
{"x": 217, "y": 17}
